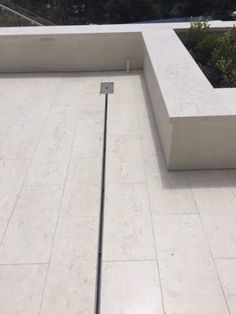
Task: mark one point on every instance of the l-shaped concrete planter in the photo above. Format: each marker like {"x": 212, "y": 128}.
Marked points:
{"x": 196, "y": 123}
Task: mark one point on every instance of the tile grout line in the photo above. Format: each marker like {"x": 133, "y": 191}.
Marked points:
{"x": 154, "y": 239}
{"x": 176, "y": 214}
{"x": 130, "y": 260}
{"x": 22, "y": 264}
{"x": 59, "y": 209}
{"x": 43, "y": 185}
{"x": 125, "y": 136}
{"x": 209, "y": 247}
{"x": 15, "y": 159}
{"x": 31, "y": 120}
{"x": 151, "y": 216}
{"x": 20, "y": 121}
{"x": 30, "y": 163}
{"x": 225, "y": 258}
{"x": 198, "y": 213}
{"x": 125, "y": 183}
{"x": 11, "y": 128}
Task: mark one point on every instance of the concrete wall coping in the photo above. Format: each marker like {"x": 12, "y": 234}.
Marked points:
{"x": 185, "y": 89}
{"x": 114, "y": 28}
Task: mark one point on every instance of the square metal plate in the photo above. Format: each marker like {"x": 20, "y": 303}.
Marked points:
{"x": 107, "y": 88}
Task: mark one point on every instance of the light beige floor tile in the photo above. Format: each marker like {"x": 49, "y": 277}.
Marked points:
{"x": 189, "y": 280}
{"x": 227, "y": 272}
{"x": 170, "y": 201}
{"x": 130, "y": 287}
{"x": 70, "y": 89}
{"x": 70, "y": 289}
{"x": 12, "y": 173}
{"x": 124, "y": 160}
{"x": 22, "y": 140}
{"x": 88, "y": 146}
{"x": 50, "y": 162}
{"x": 35, "y": 106}
{"x": 90, "y": 119}
{"x": 127, "y": 225}
{"x": 76, "y": 239}
{"x": 28, "y": 240}
{"x": 92, "y": 102}
{"x": 212, "y": 178}
{"x": 81, "y": 199}
{"x": 33, "y": 109}
{"x": 38, "y": 201}
{"x": 170, "y": 192}
{"x": 216, "y": 206}
{"x": 4, "y": 132}
{"x": 3, "y": 225}
{"x": 61, "y": 122}
{"x": 21, "y": 287}
{"x": 120, "y": 98}
{"x": 86, "y": 170}
{"x": 89, "y": 135}
{"x": 70, "y": 286}
{"x": 131, "y": 197}
{"x": 156, "y": 170}
{"x": 122, "y": 119}
{"x": 29, "y": 235}
{"x": 97, "y": 118}
{"x": 92, "y": 83}
{"x": 123, "y": 89}
{"x": 9, "y": 114}
{"x": 34, "y": 97}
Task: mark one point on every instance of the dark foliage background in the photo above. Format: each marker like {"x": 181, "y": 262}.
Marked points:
{"x": 123, "y": 11}
{"x": 215, "y": 53}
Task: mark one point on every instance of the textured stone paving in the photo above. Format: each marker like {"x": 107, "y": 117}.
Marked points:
{"x": 169, "y": 237}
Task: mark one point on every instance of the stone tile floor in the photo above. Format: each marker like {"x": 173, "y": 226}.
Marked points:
{"x": 169, "y": 237}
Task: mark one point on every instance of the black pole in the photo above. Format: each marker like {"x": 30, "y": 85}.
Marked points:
{"x": 101, "y": 221}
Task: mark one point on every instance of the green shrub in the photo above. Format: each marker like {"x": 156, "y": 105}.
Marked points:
{"x": 215, "y": 54}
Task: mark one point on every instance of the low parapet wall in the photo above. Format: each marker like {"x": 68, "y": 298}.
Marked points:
{"x": 70, "y": 52}
{"x": 196, "y": 123}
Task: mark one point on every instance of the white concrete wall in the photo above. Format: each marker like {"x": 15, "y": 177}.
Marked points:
{"x": 186, "y": 90}
{"x": 206, "y": 142}
{"x": 159, "y": 109}
{"x": 70, "y": 52}
{"x": 196, "y": 122}
{"x": 203, "y": 143}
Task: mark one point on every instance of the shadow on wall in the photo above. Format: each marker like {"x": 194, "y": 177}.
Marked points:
{"x": 182, "y": 179}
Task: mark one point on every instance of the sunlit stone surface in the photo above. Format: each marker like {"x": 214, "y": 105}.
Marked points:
{"x": 169, "y": 237}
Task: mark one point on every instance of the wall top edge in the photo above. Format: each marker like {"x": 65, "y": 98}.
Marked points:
{"x": 211, "y": 118}
{"x": 227, "y": 100}
{"x": 185, "y": 89}
{"x": 86, "y": 29}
